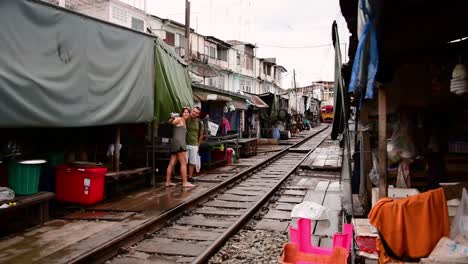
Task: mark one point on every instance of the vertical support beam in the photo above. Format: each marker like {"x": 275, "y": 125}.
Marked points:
{"x": 153, "y": 155}
{"x": 366, "y": 156}
{"x": 382, "y": 142}
{"x": 116, "y": 150}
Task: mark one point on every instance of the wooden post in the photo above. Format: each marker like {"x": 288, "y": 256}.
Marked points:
{"x": 116, "y": 150}
{"x": 366, "y": 156}
{"x": 153, "y": 157}
{"x": 382, "y": 142}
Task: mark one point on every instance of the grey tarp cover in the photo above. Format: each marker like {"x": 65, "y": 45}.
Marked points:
{"x": 172, "y": 86}
{"x": 59, "y": 69}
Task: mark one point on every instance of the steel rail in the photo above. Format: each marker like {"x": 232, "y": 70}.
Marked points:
{"x": 112, "y": 247}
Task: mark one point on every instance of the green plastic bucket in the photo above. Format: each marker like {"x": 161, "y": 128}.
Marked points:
{"x": 23, "y": 176}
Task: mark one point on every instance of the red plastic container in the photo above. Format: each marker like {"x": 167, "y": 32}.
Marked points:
{"x": 217, "y": 155}
{"x": 3, "y": 174}
{"x": 79, "y": 185}
{"x": 229, "y": 155}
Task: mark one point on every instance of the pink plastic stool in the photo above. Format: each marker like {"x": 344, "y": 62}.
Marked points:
{"x": 302, "y": 237}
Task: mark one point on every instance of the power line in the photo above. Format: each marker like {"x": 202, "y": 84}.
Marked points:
{"x": 295, "y": 47}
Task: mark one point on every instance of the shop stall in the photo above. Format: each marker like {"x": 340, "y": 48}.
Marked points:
{"x": 408, "y": 81}
{"x": 76, "y": 113}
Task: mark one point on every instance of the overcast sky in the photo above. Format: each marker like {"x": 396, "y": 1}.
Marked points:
{"x": 279, "y": 28}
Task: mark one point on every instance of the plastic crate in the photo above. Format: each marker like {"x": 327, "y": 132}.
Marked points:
{"x": 79, "y": 185}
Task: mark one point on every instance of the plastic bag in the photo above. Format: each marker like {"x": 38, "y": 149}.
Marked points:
{"x": 374, "y": 175}
{"x": 198, "y": 164}
{"x": 460, "y": 222}
{"x": 403, "y": 178}
{"x": 310, "y": 210}
{"x": 6, "y": 194}
{"x": 400, "y": 145}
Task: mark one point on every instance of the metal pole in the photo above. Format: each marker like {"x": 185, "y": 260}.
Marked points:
{"x": 187, "y": 30}
{"x": 116, "y": 150}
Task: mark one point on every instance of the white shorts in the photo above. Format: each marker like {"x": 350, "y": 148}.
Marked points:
{"x": 192, "y": 154}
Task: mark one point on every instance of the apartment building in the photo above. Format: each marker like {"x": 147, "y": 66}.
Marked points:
{"x": 113, "y": 11}
{"x": 229, "y": 65}
{"x": 320, "y": 90}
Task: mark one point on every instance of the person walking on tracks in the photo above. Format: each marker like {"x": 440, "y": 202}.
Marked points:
{"x": 179, "y": 148}
{"x": 194, "y": 139}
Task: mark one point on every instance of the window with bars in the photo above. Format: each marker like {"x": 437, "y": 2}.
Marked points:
{"x": 138, "y": 24}
{"x": 245, "y": 85}
{"x": 119, "y": 14}
{"x": 222, "y": 53}
{"x": 212, "y": 53}
{"x": 170, "y": 38}
{"x": 249, "y": 62}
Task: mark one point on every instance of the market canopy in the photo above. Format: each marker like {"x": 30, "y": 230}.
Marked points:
{"x": 206, "y": 97}
{"x": 61, "y": 69}
{"x": 256, "y": 101}
{"x": 239, "y": 104}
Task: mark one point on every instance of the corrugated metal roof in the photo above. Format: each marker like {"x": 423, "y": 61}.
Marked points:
{"x": 257, "y": 101}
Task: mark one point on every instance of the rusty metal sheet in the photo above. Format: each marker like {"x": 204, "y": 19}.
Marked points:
{"x": 237, "y": 198}
{"x": 284, "y": 206}
{"x": 190, "y": 234}
{"x": 235, "y": 205}
{"x": 295, "y": 192}
{"x": 277, "y": 214}
{"x": 216, "y": 211}
{"x": 199, "y": 220}
{"x": 287, "y": 199}
{"x": 170, "y": 247}
{"x": 275, "y": 225}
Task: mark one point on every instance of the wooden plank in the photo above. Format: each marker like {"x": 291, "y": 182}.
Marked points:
{"x": 170, "y": 247}
{"x": 99, "y": 215}
{"x": 190, "y": 234}
{"x": 199, "y": 220}
{"x": 315, "y": 196}
{"x": 216, "y": 211}
{"x": 295, "y": 192}
{"x": 382, "y": 142}
{"x": 332, "y": 201}
{"x": 322, "y": 186}
{"x": 241, "y": 192}
{"x": 286, "y": 199}
{"x": 284, "y": 206}
{"x": 278, "y": 215}
{"x": 233, "y": 205}
{"x": 237, "y": 198}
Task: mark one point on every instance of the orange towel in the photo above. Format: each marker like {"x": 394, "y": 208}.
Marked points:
{"x": 411, "y": 227}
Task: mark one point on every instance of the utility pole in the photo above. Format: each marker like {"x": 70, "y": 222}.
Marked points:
{"x": 187, "y": 30}
{"x": 295, "y": 90}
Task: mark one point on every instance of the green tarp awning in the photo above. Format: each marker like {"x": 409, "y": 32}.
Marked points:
{"x": 172, "y": 86}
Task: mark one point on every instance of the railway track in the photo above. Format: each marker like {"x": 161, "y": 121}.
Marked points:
{"x": 193, "y": 231}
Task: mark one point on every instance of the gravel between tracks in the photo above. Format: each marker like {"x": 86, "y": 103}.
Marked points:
{"x": 252, "y": 246}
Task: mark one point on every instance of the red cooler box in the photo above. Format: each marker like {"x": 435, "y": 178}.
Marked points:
{"x": 79, "y": 185}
